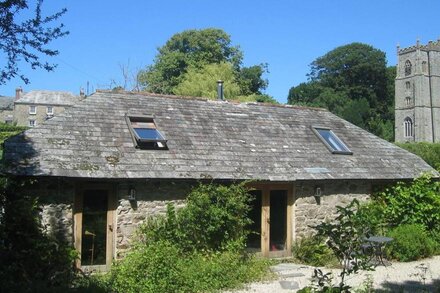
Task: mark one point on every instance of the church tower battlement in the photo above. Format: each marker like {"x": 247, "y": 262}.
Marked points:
{"x": 417, "y": 88}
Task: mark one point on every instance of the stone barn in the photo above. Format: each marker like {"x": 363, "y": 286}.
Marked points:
{"x": 113, "y": 159}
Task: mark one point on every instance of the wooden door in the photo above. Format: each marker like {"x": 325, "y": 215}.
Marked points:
{"x": 276, "y": 208}
{"x": 94, "y": 226}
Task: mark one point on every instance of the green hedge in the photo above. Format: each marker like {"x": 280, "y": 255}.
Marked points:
{"x": 411, "y": 242}
{"x": 8, "y": 130}
{"x": 430, "y": 152}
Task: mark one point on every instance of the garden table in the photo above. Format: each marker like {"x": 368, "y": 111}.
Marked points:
{"x": 378, "y": 243}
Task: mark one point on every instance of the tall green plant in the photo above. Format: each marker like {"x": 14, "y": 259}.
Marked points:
{"x": 417, "y": 202}
{"x": 214, "y": 218}
{"x": 344, "y": 237}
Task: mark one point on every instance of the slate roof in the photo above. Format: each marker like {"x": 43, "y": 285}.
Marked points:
{"x": 48, "y": 98}
{"x": 206, "y": 139}
{"x": 6, "y": 103}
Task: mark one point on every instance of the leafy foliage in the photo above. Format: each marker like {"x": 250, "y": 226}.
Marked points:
{"x": 190, "y": 48}
{"x": 214, "y": 217}
{"x": 417, "y": 202}
{"x": 313, "y": 251}
{"x": 371, "y": 215}
{"x": 163, "y": 267}
{"x": 191, "y": 62}
{"x": 26, "y": 40}
{"x": 39, "y": 261}
{"x": 430, "y": 152}
{"x": 251, "y": 79}
{"x": 198, "y": 248}
{"x": 411, "y": 242}
{"x": 353, "y": 82}
{"x": 203, "y": 82}
{"x": 344, "y": 237}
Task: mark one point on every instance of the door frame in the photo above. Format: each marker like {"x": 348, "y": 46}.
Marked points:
{"x": 111, "y": 223}
{"x": 266, "y": 188}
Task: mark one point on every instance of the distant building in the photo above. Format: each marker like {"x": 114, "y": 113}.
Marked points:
{"x": 6, "y": 109}
{"x": 417, "y": 101}
{"x": 34, "y": 107}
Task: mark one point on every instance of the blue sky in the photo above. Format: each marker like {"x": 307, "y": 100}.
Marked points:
{"x": 288, "y": 35}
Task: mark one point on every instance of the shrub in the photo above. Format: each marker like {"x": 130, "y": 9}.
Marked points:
{"x": 313, "y": 251}
{"x": 435, "y": 235}
{"x": 370, "y": 214}
{"x": 198, "y": 248}
{"x": 417, "y": 202}
{"x": 163, "y": 267}
{"x": 344, "y": 236}
{"x": 411, "y": 242}
{"x": 214, "y": 218}
{"x": 430, "y": 152}
{"x": 150, "y": 268}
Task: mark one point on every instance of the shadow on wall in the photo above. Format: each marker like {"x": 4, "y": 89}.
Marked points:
{"x": 40, "y": 262}
{"x": 20, "y": 157}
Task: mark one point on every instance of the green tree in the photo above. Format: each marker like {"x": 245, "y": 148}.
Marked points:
{"x": 190, "y": 52}
{"x": 190, "y": 48}
{"x": 251, "y": 79}
{"x": 203, "y": 82}
{"x": 353, "y": 82}
{"x": 26, "y": 40}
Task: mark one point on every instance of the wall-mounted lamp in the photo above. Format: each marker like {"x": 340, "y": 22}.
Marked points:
{"x": 318, "y": 192}
{"x": 131, "y": 194}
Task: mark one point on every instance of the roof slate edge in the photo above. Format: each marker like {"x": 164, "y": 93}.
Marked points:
{"x": 204, "y": 99}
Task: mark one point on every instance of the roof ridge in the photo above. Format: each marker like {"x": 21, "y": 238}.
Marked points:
{"x": 169, "y": 96}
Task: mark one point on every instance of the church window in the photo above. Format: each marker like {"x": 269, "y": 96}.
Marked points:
{"x": 408, "y": 67}
{"x": 408, "y": 85}
{"x": 408, "y": 126}
{"x": 408, "y": 101}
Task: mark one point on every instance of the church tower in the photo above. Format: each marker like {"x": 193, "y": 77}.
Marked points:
{"x": 417, "y": 99}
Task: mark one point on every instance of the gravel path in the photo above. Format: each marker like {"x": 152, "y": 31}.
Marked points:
{"x": 397, "y": 277}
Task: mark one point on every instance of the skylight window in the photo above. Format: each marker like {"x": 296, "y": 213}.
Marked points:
{"x": 331, "y": 141}
{"x": 145, "y": 133}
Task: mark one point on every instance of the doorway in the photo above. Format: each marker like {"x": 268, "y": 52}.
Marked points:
{"x": 94, "y": 222}
{"x": 271, "y": 213}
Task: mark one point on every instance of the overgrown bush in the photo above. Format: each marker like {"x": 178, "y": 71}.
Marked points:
{"x": 411, "y": 242}
{"x": 214, "y": 218}
{"x": 31, "y": 261}
{"x": 313, "y": 251}
{"x": 430, "y": 152}
{"x": 371, "y": 215}
{"x": 198, "y": 248}
{"x": 435, "y": 235}
{"x": 417, "y": 202}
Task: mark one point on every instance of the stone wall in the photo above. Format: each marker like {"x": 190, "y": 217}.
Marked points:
{"x": 310, "y": 210}
{"x": 151, "y": 200}
{"x": 56, "y": 198}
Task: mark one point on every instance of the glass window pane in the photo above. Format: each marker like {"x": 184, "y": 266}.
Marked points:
{"x": 148, "y": 133}
{"x": 94, "y": 228}
{"x": 332, "y": 140}
{"x": 278, "y": 219}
